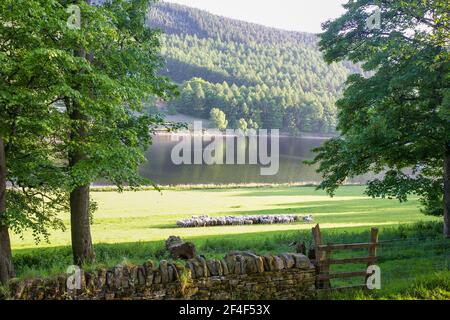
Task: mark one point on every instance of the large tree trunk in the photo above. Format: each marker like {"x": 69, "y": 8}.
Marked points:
{"x": 83, "y": 251}
{"x": 447, "y": 192}
{"x": 6, "y": 265}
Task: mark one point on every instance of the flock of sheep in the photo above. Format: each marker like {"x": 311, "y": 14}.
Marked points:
{"x": 206, "y": 221}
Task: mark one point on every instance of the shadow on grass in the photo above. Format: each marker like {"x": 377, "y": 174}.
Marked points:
{"x": 296, "y": 191}
{"x": 290, "y": 191}
{"x": 50, "y": 261}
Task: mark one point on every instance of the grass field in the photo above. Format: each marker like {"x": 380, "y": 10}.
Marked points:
{"x": 150, "y": 215}
{"x": 133, "y": 226}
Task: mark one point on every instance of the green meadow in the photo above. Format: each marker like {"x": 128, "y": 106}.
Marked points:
{"x": 132, "y": 227}
{"x": 151, "y": 215}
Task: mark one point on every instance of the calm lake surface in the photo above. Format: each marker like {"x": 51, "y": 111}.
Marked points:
{"x": 293, "y": 151}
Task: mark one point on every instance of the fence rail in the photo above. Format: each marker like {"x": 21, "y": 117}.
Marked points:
{"x": 345, "y": 246}
{"x": 347, "y": 261}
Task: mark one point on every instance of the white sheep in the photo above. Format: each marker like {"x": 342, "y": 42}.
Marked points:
{"x": 206, "y": 221}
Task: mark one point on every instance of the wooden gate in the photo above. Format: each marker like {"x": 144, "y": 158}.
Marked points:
{"x": 324, "y": 260}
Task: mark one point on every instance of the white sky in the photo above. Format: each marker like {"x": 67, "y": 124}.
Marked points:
{"x": 298, "y": 15}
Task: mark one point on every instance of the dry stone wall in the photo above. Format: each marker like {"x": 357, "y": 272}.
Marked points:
{"x": 239, "y": 275}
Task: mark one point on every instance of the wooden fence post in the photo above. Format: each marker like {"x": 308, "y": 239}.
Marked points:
{"x": 321, "y": 259}
{"x": 372, "y": 248}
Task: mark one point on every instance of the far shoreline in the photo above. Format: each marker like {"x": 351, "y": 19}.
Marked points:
{"x": 317, "y": 136}
{"x": 109, "y": 188}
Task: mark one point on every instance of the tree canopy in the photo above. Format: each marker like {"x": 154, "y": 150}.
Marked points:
{"x": 219, "y": 119}
{"x": 397, "y": 119}
{"x": 71, "y": 111}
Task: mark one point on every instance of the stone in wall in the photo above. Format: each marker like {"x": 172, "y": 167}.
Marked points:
{"x": 239, "y": 275}
{"x": 180, "y": 249}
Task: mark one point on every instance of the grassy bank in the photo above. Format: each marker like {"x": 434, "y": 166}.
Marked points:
{"x": 414, "y": 259}
{"x": 132, "y": 226}
{"x": 151, "y": 215}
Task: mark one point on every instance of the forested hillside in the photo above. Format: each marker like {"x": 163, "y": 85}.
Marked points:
{"x": 264, "y": 77}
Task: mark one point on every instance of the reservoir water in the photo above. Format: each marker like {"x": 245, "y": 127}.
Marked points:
{"x": 293, "y": 151}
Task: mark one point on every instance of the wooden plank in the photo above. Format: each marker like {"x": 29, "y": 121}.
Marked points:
{"x": 325, "y": 268}
{"x": 320, "y": 256}
{"x": 340, "y": 275}
{"x": 317, "y": 242}
{"x": 346, "y": 246}
{"x": 370, "y": 260}
{"x": 374, "y": 241}
{"x": 373, "y": 248}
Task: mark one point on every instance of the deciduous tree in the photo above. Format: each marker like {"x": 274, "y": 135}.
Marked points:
{"x": 396, "y": 120}
{"x": 219, "y": 119}
{"x": 108, "y": 133}
{"x": 32, "y": 183}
